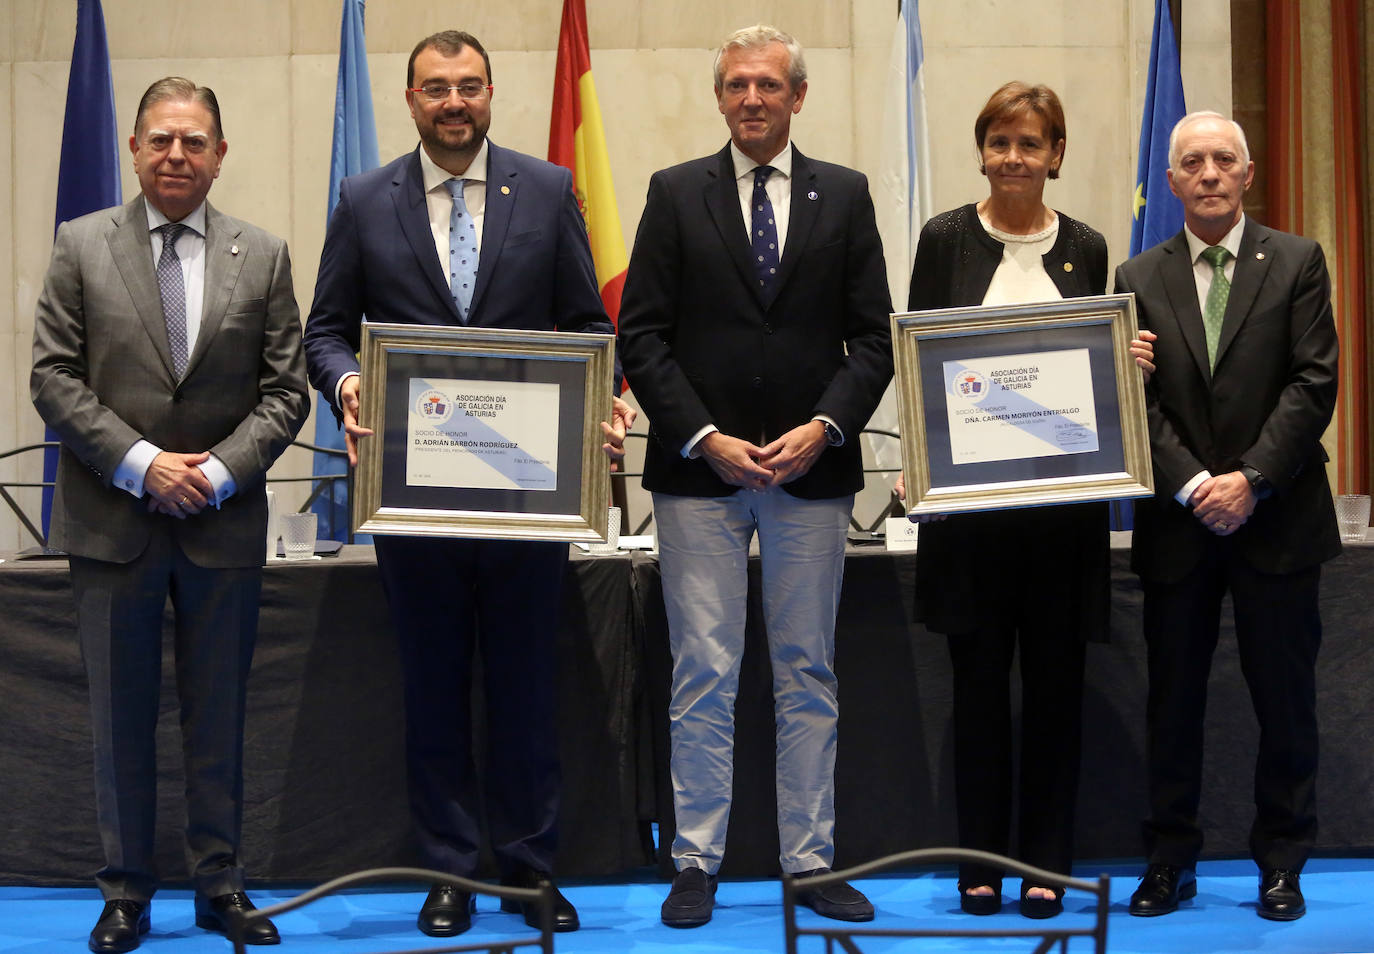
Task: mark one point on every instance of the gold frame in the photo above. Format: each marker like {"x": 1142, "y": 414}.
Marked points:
{"x": 909, "y": 329}
{"x": 597, "y": 355}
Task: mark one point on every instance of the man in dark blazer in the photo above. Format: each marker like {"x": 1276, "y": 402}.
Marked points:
{"x": 1245, "y": 386}
{"x": 754, "y": 330}
{"x": 518, "y": 258}
{"x": 167, "y": 357}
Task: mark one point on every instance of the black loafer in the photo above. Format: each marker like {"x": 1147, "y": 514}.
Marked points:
{"x": 564, "y": 914}
{"x": 842, "y": 901}
{"x": 121, "y": 924}
{"x": 1280, "y": 896}
{"x": 691, "y": 899}
{"x": 219, "y": 913}
{"x": 446, "y": 911}
{"x": 1161, "y": 889}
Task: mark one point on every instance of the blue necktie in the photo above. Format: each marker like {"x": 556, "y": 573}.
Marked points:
{"x": 171, "y": 286}
{"x": 763, "y": 234}
{"x": 462, "y": 250}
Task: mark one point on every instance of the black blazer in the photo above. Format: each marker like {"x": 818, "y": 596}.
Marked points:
{"x": 1266, "y": 404}
{"x": 1065, "y": 547}
{"x": 701, "y": 345}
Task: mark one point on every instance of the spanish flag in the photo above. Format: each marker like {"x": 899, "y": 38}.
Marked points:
{"x": 578, "y": 143}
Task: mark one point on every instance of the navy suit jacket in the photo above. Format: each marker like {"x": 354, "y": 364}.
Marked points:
{"x": 701, "y": 344}
{"x": 534, "y": 272}
{"x": 1266, "y": 403}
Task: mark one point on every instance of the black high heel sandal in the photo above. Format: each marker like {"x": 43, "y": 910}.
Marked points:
{"x": 1040, "y": 908}
{"x": 980, "y": 904}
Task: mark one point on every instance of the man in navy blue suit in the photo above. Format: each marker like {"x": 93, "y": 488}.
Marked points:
{"x": 461, "y": 231}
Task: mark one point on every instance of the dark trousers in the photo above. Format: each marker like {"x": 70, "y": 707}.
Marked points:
{"x": 119, "y": 609}
{"x": 1278, "y": 633}
{"x": 448, "y": 598}
{"x": 1051, "y": 730}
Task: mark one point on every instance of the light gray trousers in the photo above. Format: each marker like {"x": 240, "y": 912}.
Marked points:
{"x": 704, "y": 554}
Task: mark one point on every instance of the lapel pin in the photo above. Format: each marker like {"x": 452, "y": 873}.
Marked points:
{"x": 1259, "y": 256}
{"x": 812, "y": 196}
{"x": 505, "y": 190}
{"x": 233, "y": 250}
{"x": 1068, "y": 266}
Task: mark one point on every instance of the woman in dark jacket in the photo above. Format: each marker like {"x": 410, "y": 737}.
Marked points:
{"x": 1049, "y": 565}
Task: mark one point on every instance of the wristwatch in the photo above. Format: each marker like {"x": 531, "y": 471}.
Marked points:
{"x": 1258, "y": 482}
{"x": 832, "y": 434}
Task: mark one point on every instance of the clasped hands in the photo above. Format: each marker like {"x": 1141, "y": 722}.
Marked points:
{"x": 176, "y": 485}
{"x": 1223, "y": 503}
{"x": 742, "y": 464}
{"x": 622, "y": 419}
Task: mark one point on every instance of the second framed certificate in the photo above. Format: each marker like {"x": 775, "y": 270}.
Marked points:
{"x": 1016, "y": 406}
{"x": 482, "y": 432}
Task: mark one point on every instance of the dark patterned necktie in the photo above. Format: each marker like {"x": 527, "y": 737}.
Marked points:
{"x": 763, "y": 233}
{"x": 171, "y": 285}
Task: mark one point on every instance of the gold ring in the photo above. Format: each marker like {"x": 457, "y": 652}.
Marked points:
{"x": 1223, "y": 525}
{"x": 184, "y": 499}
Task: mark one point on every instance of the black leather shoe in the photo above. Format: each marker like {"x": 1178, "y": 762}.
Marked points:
{"x": 1161, "y": 889}
{"x": 564, "y": 914}
{"x": 980, "y": 904}
{"x": 446, "y": 911}
{"x": 842, "y": 901}
{"x": 1280, "y": 897}
{"x": 120, "y": 926}
{"x": 690, "y": 900}
{"x": 217, "y": 914}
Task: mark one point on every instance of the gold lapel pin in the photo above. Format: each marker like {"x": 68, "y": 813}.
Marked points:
{"x": 505, "y": 190}
{"x": 1068, "y": 266}
{"x": 233, "y": 250}
{"x": 1259, "y": 256}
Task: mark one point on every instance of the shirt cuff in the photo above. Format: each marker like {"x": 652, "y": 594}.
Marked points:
{"x": 129, "y": 475}
{"x": 827, "y": 419}
{"x": 338, "y": 387}
{"x": 222, "y": 483}
{"x": 689, "y": 449}
{"x": 1185, "y": 494}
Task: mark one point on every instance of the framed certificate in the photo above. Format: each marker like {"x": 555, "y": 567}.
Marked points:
{"x": 1021, "y": 405}
{"x": 483, "y": 432}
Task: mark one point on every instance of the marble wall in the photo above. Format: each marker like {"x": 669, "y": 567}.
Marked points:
{"x": 273, "y": 65}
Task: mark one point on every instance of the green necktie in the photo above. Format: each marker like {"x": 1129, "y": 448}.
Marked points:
{"x": 1215, "y": 308}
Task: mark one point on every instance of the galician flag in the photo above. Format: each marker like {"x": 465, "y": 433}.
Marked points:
{"x": 577, "y": 142}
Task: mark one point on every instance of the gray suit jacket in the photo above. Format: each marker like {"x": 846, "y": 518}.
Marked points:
{"x": 102, "y": 379}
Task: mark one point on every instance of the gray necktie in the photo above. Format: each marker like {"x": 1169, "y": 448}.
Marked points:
{"x": 1214, "y": 310}
{"x": 172, "y": 287}
{"x": 462, "y": 250}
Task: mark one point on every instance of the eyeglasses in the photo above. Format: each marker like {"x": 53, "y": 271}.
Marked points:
{"x": 472, "y": 91}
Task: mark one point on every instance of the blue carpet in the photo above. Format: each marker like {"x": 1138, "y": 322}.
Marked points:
{"x": 623, "y": 917}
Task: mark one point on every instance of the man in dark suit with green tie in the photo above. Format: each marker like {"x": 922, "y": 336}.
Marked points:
{"x": 1244, "y": 387}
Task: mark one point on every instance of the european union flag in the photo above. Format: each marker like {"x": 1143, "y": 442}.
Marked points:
{"x": 88, "y": 174}
{"x": 1156, "y": 212}
{"x": 354, "y": 151}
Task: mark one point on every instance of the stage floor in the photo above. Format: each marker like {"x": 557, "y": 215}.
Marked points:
{"x": 622, "y": 916}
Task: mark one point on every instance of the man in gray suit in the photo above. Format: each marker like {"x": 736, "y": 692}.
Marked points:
{"x": 167, "y": 357}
